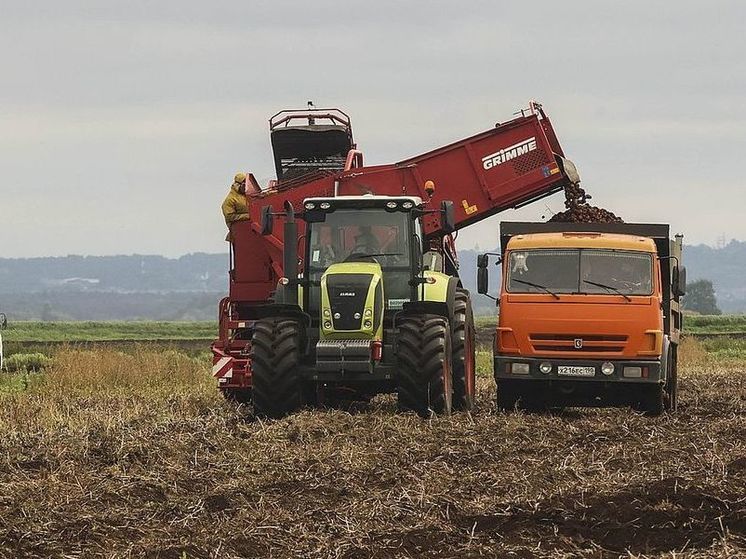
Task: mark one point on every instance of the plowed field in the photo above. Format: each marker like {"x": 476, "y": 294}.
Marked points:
{"x": 135, "y": 455}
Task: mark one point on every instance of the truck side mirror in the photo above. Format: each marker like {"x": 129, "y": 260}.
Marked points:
{"x": 679, "y": 285}
{"x": 482, "y": 281}
{"x": 482, "y": 274}
{"x": 268, "y": 220}
{"x": 447, "y": 216}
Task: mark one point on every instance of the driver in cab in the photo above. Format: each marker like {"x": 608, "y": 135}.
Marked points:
{"x": 366, "y": 242}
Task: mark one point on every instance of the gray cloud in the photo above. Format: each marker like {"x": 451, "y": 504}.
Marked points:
{"x": 121, "y": 123}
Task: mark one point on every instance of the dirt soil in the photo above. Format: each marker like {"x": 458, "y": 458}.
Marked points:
{"x": 136, "y": 456}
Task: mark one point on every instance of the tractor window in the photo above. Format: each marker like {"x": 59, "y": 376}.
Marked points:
{"x": 359, "y": 235}
{"x": 349, "y": 235}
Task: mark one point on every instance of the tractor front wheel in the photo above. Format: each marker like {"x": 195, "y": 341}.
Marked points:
{"x": 275, "y": 355}
{"x": 424, "y": 365}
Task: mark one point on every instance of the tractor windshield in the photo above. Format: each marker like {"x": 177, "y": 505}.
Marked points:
{"x": 593, "y": 271}
{"x": 362, "y": 235}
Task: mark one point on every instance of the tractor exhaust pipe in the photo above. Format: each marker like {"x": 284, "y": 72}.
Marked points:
{"x": 290, "y": 254}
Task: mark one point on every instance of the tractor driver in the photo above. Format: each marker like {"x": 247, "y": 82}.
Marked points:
{"x": 366, "y": 242}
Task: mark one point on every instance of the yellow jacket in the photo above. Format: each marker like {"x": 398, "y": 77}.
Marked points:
{"x": 235, "y": 207}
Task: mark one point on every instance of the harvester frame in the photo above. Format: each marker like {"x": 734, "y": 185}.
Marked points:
{"x": 446, "y": 189}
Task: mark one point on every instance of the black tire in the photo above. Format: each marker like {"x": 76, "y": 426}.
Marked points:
{"x": 672, "y": 381}
{"x": 462, "y": 344}
{"x": 275, "y": 355}
{"x": 424, "y": 365}
{"x": 507, "y": 396}
{"x": 652, "y": 400}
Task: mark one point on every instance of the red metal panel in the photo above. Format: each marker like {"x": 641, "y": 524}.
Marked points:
{"x": 498, "y": 169}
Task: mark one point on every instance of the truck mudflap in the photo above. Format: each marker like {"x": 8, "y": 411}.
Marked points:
{"x": 579, "y": 370}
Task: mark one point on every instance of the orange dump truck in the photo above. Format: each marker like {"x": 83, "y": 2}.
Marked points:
{"x": 589, "y": 315}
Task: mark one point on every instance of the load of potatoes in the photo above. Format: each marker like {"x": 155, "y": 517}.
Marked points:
{"x": 579, "y": 211}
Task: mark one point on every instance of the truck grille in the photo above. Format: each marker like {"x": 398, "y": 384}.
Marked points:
{"x": 588, "y": 343}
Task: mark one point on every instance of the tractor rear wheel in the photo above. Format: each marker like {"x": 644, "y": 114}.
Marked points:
{"x": 424, "y": 365}
{"x": 463, "y": 360}
{"x": 275, "y": 355}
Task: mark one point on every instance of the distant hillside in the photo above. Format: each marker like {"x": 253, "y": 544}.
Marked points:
{"x": 123, "y": 274}
{"x": 189, "y": 288}
{"x": 113, "y": 287}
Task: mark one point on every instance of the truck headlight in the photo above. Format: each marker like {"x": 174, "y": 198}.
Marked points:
{"x": 607, "y": 368}
{"x": 520, "y": 368}
{"x": 545, "y": 367}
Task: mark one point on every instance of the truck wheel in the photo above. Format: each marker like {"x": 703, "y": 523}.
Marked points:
{"x": 672, "y": 382}
{"x": 652, "y": 400}
{"x": 463, "y": 360}
{"x": 275, "y": 354}
{"x": 424, "y": 365}
{"x": 507, "y": 396}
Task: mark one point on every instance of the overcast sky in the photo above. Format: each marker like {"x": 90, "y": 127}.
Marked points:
{"x": 122, "y": 123}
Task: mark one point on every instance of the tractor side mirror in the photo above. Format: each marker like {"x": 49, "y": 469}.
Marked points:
{"x": 268, "y": 220}
{"x": 482, "y": 274}
{"x": 447, "y": 216}
{"x": 679, "y": 281}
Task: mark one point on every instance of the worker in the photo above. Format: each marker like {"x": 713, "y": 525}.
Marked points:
{"x": 236, "y": 206}
{"x": 366, "y": 241}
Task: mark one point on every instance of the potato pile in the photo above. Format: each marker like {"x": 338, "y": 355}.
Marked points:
{"x": 579, "y": 211}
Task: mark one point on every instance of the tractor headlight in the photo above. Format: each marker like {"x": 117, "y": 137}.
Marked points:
{"x": 328, "y": 324}
{"x": 325, "y": 205}
{"x": 327, "y": 313}
{"x": 357, "y": 316}
{"x": 368, "y": 324}
{"x": 391, "y": 205}
{"x": 309, "y": 205}
{"x": 407, "y": 205}
{"x": 607, "y": 368}
{"x": 368, "y": 313}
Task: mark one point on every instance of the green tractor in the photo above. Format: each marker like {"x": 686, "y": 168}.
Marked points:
{"x": 375, "y": 307}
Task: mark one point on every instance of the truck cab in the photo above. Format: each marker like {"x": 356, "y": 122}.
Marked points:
{"x": 588, "y": 317}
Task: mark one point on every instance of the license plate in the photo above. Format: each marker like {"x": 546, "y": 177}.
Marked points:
{"x": 576, "y": 371}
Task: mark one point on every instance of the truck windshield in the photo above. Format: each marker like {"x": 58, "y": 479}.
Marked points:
{"x": 589, "y": 271}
